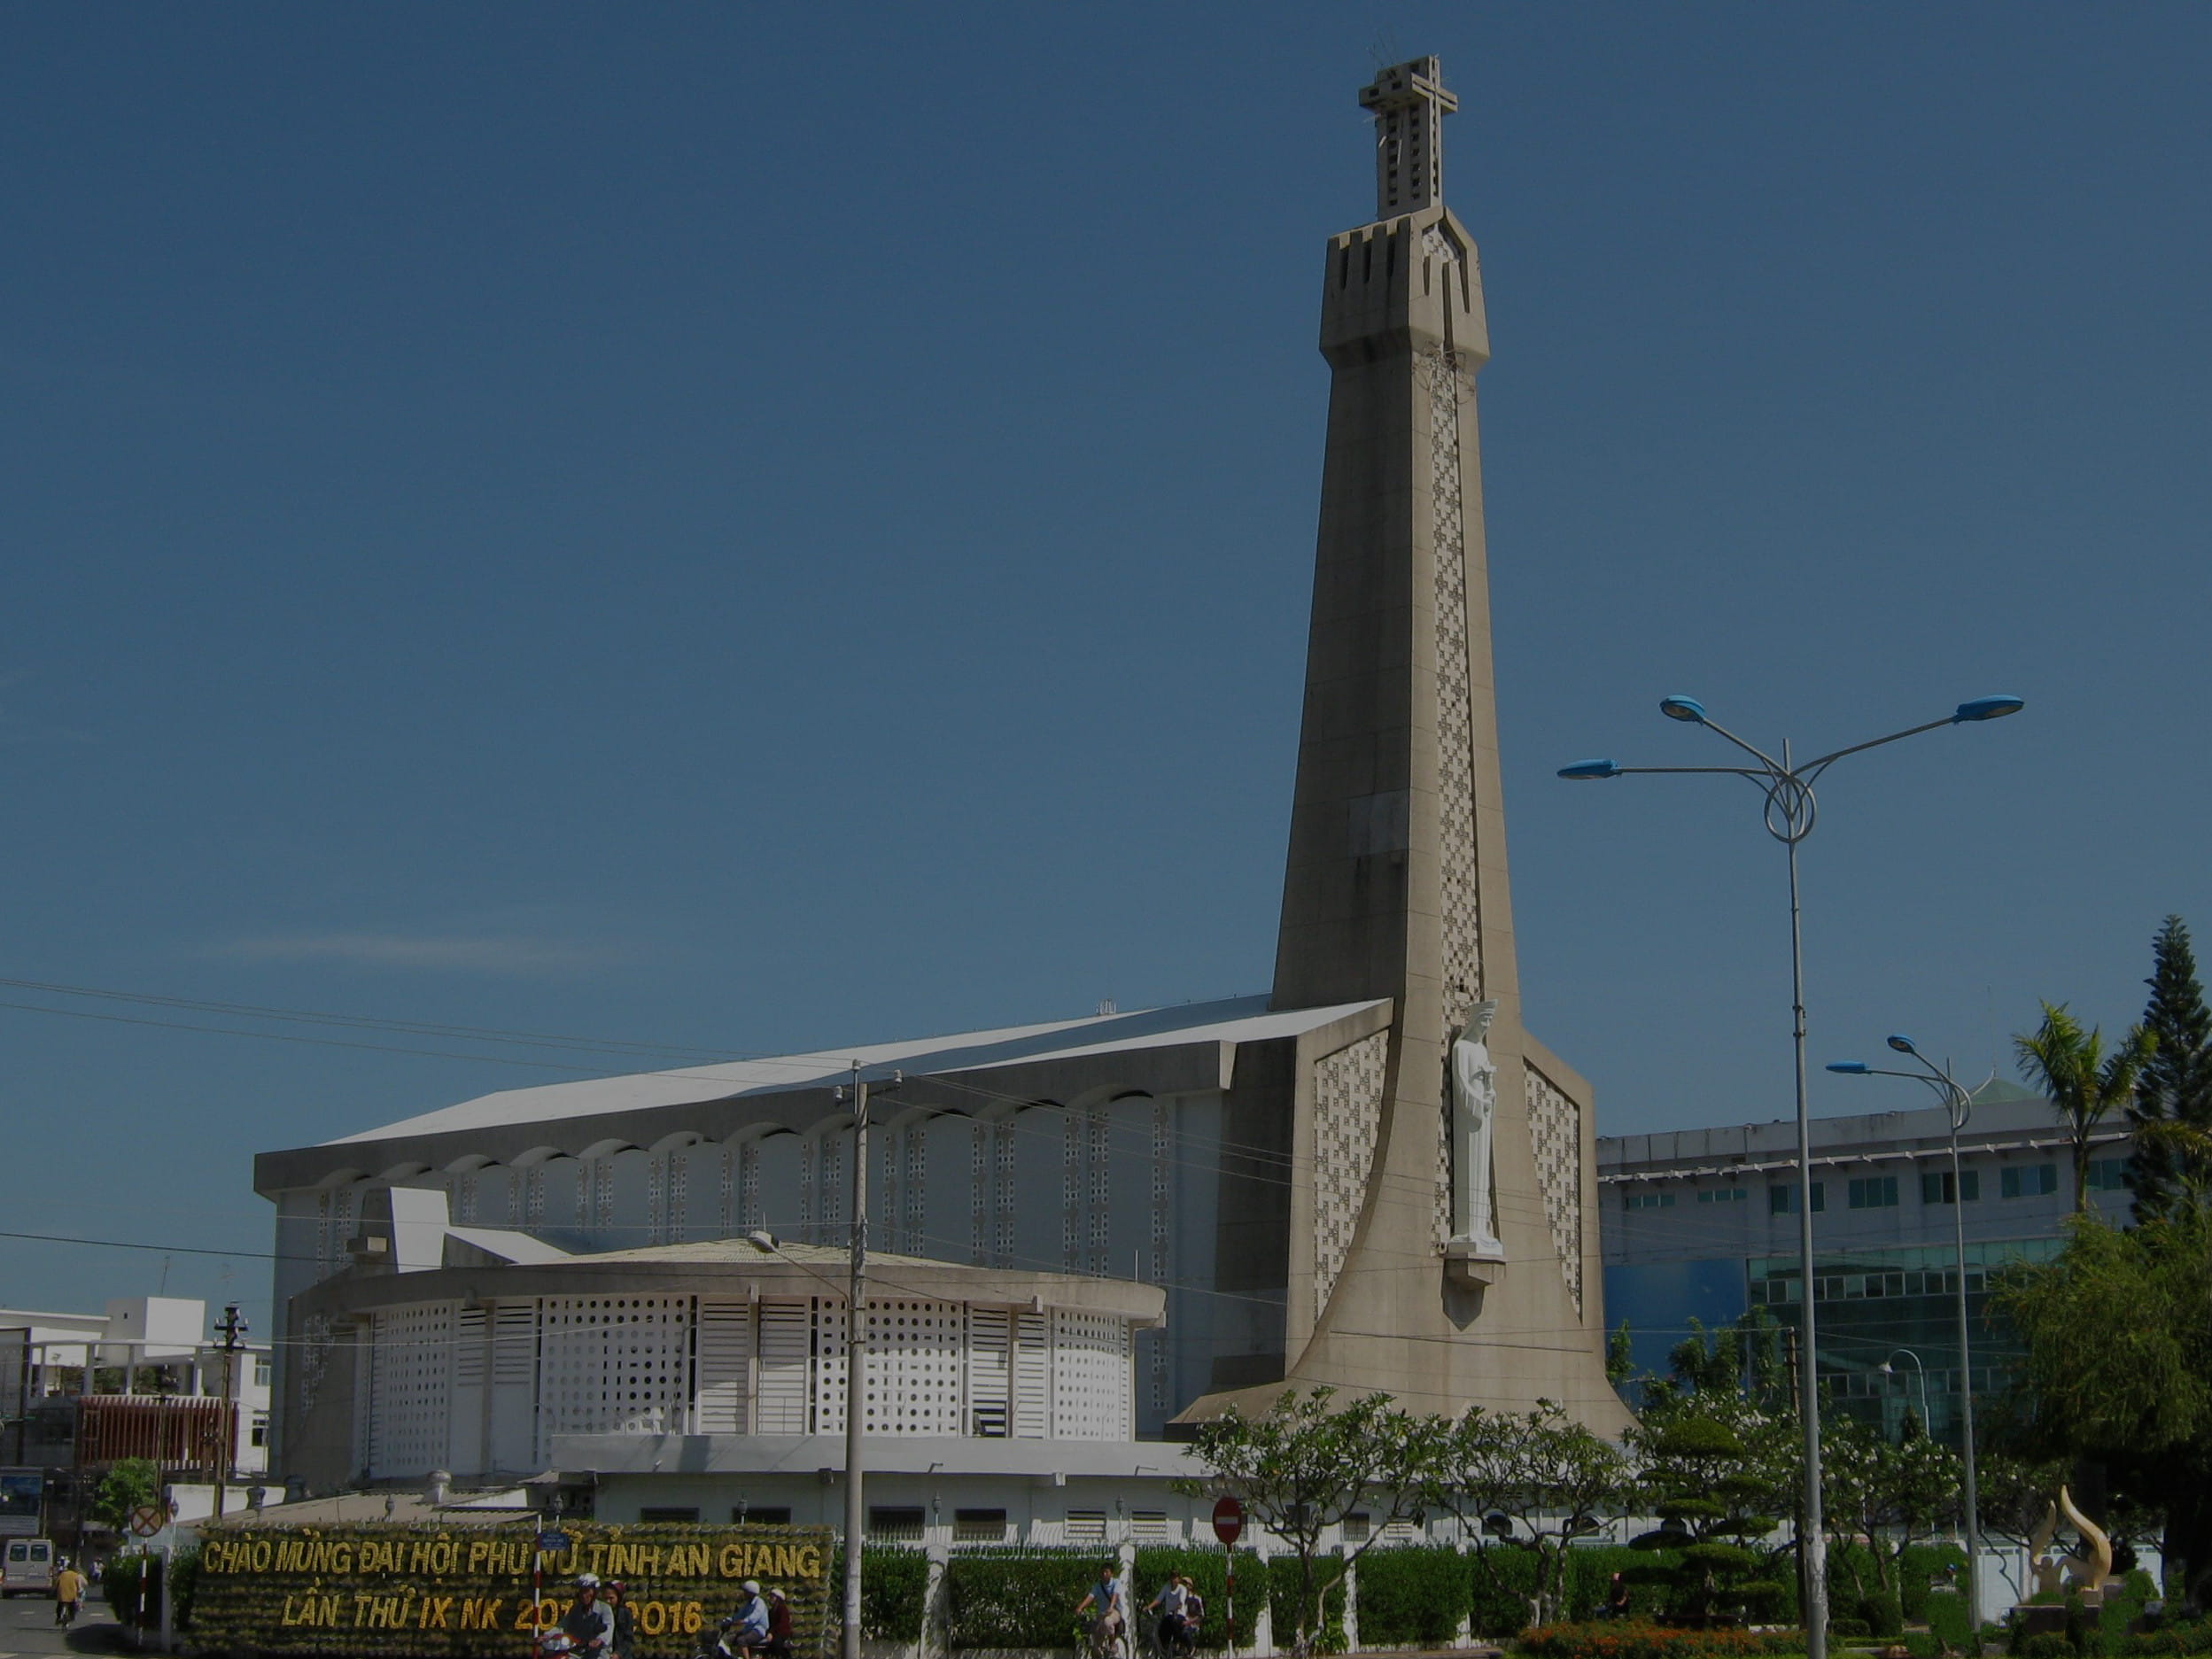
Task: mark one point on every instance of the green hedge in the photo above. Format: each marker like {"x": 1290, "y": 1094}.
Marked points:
{"x": 119, "y": 1582}
{"x": 1207, "y": 1570}
{"x": 1017, "y": 1597}
{"x": 1412, "y": 1594}
{"x": 1282, "y": 1603}
{"x": 1502, "y": 1577}
{"x": 894, "y": 1590}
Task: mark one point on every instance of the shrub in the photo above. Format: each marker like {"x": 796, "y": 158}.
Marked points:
{"x": 2193, "y": 1636}
{"x": 1919, "y": 1568}
{"x": 1883, "y": 1616}
{"x": 1016, "y": 1598}
{"x": 1411, "y": 1595}
{"x": 1948, "y": 1620}
{"x": 120, "y": 1584}
{"x": 2048, "y": 1644}
{"x": 1848, "y": 1630}
{"x": 1612, "y": 1639}
{"x": 1208, "y": 1573}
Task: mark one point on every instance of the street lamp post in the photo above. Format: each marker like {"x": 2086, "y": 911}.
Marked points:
{"x": 1888, "y": 1368}
{"x": 856, "y": 1352}
{"x": 1790, "y": 811}
{"x": 1958, "y": 1106}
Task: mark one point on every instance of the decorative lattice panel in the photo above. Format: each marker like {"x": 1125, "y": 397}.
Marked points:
{"x": 916, "y": 1355}
{"x": 1002, "y": 1246}
{"x": 316, "y": 1338}
{"x": 1098, "y": 1185}
{"x": 1162, "y": 1195}
{"x": 827, "y": 1387}
{"x": 1554, "y": 1125}
{"x": 1090, "y": 1376}
{"x": 979, "y": 1193}
{"x": 1348, "y": 1118}
{"x": 410, "y": 1368}
{"x": 916, "y": 1223}
{"x": 1071, "y": 1192}
{"x": 1448, "y": 386}
{"x": 613, "y": 1364}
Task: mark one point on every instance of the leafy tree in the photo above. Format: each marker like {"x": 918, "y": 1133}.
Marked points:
{"x": 1569, "y": 1481}
{"x": 2172, "y": 1109}
{"x": 1304, "y": 1466}
{"x": 2085, "y": 1083}
{"x": 2118, "y": 1368}
{"x": 1892, "y": 1494}
{"x": 1554, "y": 1477}
{"x": 1620, "y": 1355}
{"x": 131, "y": 1483}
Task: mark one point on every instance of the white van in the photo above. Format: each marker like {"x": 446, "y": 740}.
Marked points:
{"x": 28, "y": 1564}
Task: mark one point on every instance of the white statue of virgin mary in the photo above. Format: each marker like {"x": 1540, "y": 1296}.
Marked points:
{"x": 1474, "y": 1110}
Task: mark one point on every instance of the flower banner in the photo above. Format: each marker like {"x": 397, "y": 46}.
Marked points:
{"x": 456, "y": 1591}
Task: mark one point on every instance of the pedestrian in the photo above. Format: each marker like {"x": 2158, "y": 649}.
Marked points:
{"x": 1616, "y": 1599}
{"x": 623, "y": 1644}
{"x": 68, "y": 1595}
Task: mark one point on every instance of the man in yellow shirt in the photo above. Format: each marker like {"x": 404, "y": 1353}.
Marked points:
{"x": 68, "y": 1595}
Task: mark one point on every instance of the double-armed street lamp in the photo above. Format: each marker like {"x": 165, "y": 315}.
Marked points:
{"x": 1790, "y": 810}
{"x": 1959, "y": 1104}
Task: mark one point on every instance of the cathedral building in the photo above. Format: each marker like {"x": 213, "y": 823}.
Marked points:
{"x": 1372, "y": 1178}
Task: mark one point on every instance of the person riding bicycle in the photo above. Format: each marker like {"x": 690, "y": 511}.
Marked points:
{"x": 1180, "y": 1606}
{"x": 1107, "y": 1596}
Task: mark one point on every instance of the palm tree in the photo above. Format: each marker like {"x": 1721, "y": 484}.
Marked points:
{"x": 2072, "y": 1069}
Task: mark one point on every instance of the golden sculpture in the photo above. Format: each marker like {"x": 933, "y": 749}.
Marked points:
{"x": 2085, "y": 1571}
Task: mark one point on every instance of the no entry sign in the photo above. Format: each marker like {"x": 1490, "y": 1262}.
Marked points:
{"x": 1229, "y": 1520}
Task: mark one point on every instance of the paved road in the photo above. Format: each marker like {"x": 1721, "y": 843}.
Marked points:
{"x": 26, "y": 1627}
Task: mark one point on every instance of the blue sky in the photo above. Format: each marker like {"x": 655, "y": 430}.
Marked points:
{"x": 743, "y": 528}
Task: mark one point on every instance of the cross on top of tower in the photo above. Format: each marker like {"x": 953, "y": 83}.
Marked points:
{"x": 1410, "y": 103}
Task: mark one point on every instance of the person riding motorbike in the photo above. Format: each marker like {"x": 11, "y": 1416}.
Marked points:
{"x": 590, "y": 1623}
{"x": 748, "y": 1634}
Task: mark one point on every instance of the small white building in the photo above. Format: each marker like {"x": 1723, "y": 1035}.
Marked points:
{"x": 708, "y": 1380}
{"x": 144, "y": 1356}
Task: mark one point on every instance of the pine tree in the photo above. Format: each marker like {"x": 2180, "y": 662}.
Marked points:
{"x": 2172, "y": 1111}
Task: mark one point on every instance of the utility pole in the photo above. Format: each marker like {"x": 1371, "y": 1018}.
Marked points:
{"x": 226, "y": 1415}
{"x": 856, "y": 1366}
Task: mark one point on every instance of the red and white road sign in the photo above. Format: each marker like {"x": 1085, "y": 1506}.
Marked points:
{"x": 1229, "y": 1520}
{"x": 146, "y": 1520}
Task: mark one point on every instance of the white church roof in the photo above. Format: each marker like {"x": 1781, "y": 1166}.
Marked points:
{"x": 1232, "y": 1020}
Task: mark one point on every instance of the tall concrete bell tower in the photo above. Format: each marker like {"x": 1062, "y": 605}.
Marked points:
{"x": 1396, "y": 886}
